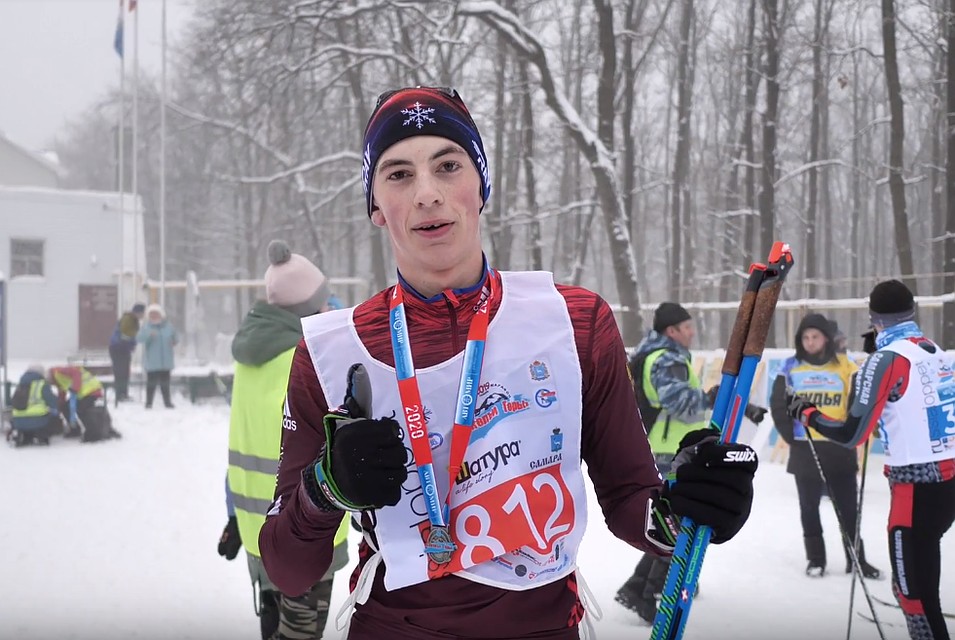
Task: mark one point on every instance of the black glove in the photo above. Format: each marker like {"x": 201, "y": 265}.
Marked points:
{"x": 362, "y": 465}
{"x": 798, "y": 407}
{"x": 714, "y": 483}
{"x": 868, "y": 341}
{"x": 754, "y": 413}
{"x": 230, "y": 542}
{"x": 710, "y": 395}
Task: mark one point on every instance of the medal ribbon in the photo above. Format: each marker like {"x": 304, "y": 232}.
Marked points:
{"x": 410, "y": 394}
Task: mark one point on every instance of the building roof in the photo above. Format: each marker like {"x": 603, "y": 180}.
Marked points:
{"x": 31, "y": 156}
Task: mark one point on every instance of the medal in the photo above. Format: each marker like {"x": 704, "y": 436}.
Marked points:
{"x": 440, "y": 547}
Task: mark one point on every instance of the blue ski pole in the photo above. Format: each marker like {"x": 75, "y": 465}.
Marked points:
{"x": 739, "y": 367}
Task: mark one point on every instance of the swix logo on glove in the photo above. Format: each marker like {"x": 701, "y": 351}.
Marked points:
{"x": 747, "y": 455}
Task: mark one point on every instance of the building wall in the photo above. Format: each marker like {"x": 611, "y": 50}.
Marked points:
{"x": 82, "y": 245}
{"x": 19, "y": 167}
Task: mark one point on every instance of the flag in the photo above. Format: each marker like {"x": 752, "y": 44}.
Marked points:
{"x": 118, "y": 36}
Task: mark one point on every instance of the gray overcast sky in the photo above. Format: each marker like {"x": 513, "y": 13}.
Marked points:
{"x": 57, "y": 58}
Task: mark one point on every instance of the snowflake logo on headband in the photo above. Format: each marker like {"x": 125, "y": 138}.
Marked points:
{"x": 418, "y": 116}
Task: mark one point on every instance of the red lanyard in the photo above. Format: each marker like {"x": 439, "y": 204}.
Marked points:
{"x": 411, "y": 397}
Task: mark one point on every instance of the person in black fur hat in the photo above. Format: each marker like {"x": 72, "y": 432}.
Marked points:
{"x": 818, "y": 372}
{"x": 907, "y": 385}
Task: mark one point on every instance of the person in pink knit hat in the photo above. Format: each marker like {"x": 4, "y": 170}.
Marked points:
{"x": 263, "y": 348}
{"x": 293, "y": 282}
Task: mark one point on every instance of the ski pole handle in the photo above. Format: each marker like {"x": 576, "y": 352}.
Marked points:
{"x": 744, "y": 315}
{"x": 780, "y": 264}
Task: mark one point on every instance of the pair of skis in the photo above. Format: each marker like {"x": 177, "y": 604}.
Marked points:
{"x": 745, "y": 349}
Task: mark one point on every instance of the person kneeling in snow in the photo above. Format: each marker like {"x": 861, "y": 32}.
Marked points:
{"x": 35, "y": 418}
{"x": 84, "y": 402}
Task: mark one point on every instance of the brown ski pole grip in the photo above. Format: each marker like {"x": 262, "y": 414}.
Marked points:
{"x": 744, "y": 315}
{"x": 779, "y": 265}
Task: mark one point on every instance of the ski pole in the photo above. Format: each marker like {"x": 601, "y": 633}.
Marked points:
{"x": 739, "y": 367}
{"x": 852, "y": 589}
{"x": 857, "y": 568}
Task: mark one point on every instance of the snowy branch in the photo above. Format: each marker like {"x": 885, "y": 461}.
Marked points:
{"x": 300, "y": 168}
{"x": 806, "y": 167}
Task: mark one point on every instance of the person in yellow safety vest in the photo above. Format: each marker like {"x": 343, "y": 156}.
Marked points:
{"x": 263, "y": 348}
{"x": 35, "y": 417}
{"x": 83, "y": 401}
{"x": 672, "y": 404}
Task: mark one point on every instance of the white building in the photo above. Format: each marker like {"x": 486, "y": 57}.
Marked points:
{"x": 61, "y": 254}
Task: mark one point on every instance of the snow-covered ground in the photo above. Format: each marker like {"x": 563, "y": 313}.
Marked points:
{"x": 118, "y": 540}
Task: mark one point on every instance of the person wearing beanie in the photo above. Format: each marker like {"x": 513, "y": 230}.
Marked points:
{"x": 906, "y": 388}
{"x": 503, "y": 354}
{"x": 263, "y": 348}
{"x": 672, "y": 404}
{"x": 159, "y": 339}
{"x": 818, "y": 373}
{"x": 121, "y": 346}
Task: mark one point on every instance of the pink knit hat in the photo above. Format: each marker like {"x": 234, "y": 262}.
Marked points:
{"x": 293, "y": 282}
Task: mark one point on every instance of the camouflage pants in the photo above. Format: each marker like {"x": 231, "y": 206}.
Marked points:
{"x": 304, "y": 617}
{"x": 301, "y": 618}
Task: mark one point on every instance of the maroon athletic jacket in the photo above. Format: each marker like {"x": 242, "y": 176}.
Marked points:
{"x": 296, "y": 541}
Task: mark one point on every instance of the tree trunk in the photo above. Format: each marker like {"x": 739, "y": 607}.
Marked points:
{"x": 948, "y": 315}
{"x": 681, "y": 158}
{"x": 530, "y": 183}
{"x": 767, "y": 194}
{"x": 811, "y": 260}
{"x": 900, "y": 216}
{"x": 494, "y": 217}
{"x": 749, "y": 146}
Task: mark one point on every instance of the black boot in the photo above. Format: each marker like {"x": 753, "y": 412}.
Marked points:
{"x": 636, "y": 593}
{"x": 657, "y": 577}
{"x": 269, "y": 602}
{"x": 868, "y": 571}
{"x": 816, "y": 555}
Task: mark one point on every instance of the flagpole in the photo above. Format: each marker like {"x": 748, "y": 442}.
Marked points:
{"x": 121, "y": 159}
{"x": 162, "y": 167}
{"x": 137, "y": 211}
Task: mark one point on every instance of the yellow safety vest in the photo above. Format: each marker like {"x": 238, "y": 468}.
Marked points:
{"x": 255, "y": 439}
{"x": 668, "y": 430}
{"x": 88, "y": 382}
{"x": 36, "y": 405}
{"x": 826, "y": 386}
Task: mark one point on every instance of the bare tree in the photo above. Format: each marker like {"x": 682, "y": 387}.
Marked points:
{"x": 681, "y": 158}
{"x": 900, "y": 216}
{"x": 598, "y": 149}
{"x": 948, "y": 330}
{"x": 767, "y": 194}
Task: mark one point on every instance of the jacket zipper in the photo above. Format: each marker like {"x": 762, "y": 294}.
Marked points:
{"x": 454, "y": 325}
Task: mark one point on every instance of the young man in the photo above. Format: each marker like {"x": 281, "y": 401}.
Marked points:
{"x": 465, "y": 470}
{"x": 263, "y": 348}
{"x": 822, "y": 375}
{"x": 908, "y": 385}
{"x": 672, "y": 404}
